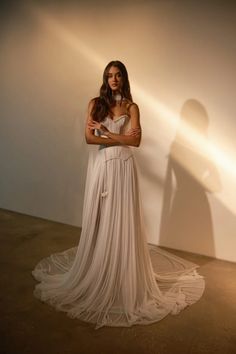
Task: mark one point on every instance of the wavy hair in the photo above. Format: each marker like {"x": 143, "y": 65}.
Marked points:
{"x": 104, "y": 102}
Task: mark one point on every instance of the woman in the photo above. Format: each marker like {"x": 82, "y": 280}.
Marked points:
{"x": 110, "y": 278}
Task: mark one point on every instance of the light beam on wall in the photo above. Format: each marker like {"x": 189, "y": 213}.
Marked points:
{"x": 211, "y": 151}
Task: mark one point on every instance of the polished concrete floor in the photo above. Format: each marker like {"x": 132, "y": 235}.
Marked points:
{"x": 29, "y": 326}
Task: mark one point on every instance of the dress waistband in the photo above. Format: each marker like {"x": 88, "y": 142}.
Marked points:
{"x": 106, "y": 146}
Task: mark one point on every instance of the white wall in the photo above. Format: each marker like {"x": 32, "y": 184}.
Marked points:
{"x": 51, "y": 63}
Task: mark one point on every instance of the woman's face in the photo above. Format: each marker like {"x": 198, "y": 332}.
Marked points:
{"x": 115, "y": 80}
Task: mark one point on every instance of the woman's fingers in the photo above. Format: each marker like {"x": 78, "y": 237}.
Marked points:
{"x": 93, "y": 125}
{"x": 134, "y": 131}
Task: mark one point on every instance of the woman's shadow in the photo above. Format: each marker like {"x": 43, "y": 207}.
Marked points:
{"x": 186, "y": 221}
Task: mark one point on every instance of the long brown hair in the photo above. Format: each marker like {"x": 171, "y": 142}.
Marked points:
{"x": 105, "y": 100}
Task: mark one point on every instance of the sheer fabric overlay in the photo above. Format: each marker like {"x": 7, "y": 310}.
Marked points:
{"x": 114, "y": 277}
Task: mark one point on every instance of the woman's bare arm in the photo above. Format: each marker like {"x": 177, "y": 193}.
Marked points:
{"x": 89, "y": 133}
{"x": 133, "y": 137}
{"x": 133, "y": 140}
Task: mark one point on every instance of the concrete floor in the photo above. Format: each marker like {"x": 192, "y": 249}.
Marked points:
{"x": 29, "y": 326}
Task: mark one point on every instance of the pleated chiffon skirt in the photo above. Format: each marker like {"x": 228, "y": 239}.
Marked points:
{"x": 114, "y": 277}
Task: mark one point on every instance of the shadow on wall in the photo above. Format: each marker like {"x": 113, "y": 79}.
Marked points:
{"x": 186, "y": 221}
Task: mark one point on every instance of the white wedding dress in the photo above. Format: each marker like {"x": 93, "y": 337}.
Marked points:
{"x": 114, "y": 277}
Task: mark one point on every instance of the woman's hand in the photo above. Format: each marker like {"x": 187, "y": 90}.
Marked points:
{"x": 93, "y": 124}
{"x": 134, "y": 132}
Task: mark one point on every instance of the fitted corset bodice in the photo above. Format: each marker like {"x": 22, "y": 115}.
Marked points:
{"x": 117, "y": 125}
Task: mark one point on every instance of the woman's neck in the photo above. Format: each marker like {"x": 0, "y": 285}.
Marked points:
{"x": 118, "y": 98}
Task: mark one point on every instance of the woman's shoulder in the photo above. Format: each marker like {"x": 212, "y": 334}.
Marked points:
{"x": 130, "y": 103}
{"x": 131, "y": 106}
{"x": 93, "y": 101}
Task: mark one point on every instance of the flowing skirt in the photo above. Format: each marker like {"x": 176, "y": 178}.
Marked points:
{"x": 114, "y": 277}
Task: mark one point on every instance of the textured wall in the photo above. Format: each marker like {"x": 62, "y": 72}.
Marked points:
{"x": 181, "y": 60}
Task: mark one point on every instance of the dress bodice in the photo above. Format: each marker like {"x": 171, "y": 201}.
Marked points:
{"x": 117, "y": 125}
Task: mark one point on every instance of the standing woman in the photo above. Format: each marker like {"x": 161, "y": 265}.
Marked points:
{"x": 109, "y": 279}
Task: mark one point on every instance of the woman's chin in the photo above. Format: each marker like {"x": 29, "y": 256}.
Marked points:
{"x": 115, "y": 88}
